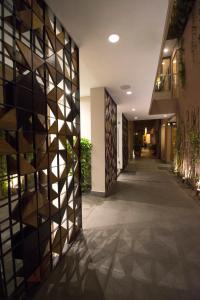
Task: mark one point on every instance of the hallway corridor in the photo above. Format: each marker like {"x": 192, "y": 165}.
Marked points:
{"x": 142, "y": 243}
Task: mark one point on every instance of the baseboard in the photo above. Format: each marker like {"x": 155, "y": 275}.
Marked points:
{"x": 98, "y": 194}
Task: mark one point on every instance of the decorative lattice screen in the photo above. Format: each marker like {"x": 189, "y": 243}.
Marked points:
{"x": 125, "y": 140}
{"x": 110, "y": 142}
{"x": 40, "y": 201}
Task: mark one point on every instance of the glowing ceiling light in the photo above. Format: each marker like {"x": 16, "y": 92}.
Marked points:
{"x": 113, "y": 38}
{"x": 166, "y": 50}
{"x": 129, "y": 93}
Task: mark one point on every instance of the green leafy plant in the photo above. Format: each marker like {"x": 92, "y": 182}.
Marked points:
{"x": 181, "y": 68}
{"x": 3, "y": 173}
{"x": 178, "y": 159}
{"x": 180, "y": 14}
{"x": 86, "y": 148}
{"x": 194, "y": 141}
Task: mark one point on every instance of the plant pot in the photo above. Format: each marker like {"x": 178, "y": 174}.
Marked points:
{"x": 137, "y": 153}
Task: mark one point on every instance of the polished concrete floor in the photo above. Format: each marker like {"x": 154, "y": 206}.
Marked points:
{"x": 142, "y": 243}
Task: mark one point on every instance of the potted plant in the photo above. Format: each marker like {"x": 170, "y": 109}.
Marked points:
{"x": 137, "y": 150}
{"x": 86, "y": 148}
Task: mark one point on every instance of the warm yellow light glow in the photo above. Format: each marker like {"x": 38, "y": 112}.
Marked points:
{"x": 14, "y": 181}
{"x": 198, "y": 186}
{"x": 148, "y": 138}
{"x": 174, "y": 62}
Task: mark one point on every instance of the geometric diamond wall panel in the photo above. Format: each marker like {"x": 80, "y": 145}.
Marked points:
{"x": 110, "y": 142}
{"x": 40, "y": 198}
{"x": 125, "y": 141}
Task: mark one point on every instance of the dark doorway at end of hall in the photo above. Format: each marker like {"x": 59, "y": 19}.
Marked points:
{"x": 146, "y": 138}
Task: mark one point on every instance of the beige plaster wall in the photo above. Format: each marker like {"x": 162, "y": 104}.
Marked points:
{"x": 189, "y": 100}
{"x": 97, "y": 96}
{"x": 130, "y": 139}
{"x": 190, "y": 95}
{"x": 85, "y": 112}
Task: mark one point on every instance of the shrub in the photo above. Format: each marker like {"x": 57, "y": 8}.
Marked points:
{"x": 86, "y": 148}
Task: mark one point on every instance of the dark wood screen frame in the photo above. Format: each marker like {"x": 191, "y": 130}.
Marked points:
{"x": 40, "y": 195}
{"x": 125, "y": 141}
{"x": 110, "y": 142}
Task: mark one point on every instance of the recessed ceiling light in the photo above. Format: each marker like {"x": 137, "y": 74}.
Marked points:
{"x": 174, "y": 61}
{"x": 133, "y": 109}
{"x": 165, "y": 116}
{"x": 166, "y": 50}
{"x": 163, "y": 63}
{"x": 129, "y": 93}
{"x": 136, "y": 118}
{"x": 113, "y": 38}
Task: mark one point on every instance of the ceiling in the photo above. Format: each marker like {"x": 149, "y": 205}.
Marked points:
{"x": 133, "y": 60}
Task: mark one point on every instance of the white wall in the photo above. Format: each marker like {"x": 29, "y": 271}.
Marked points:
{"x": 97, "y": 96}
{"x": 119, "y": 142}
{"x": 85, "y": 111}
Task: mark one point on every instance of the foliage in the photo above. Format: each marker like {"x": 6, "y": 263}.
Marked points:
{"x": 3, "y": 171}
{"x": 86, "y": 148}
{"x": 178, "y": 148}
{"x": 191, "y": 148}
{"x": 137, "y": 141}
{"x": 137, "y": 147}
{"x": 181, "y": 68}
{"x": 195, "y": 145}
{"x": 180, "y": 13}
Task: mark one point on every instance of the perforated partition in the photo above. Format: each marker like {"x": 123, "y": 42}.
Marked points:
{"x": 125, "y": 140}
{"x": 40, "y": 198}
{"x": 110, "y": 142}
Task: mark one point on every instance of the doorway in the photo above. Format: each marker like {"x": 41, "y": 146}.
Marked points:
{"x": 146, "y": 139}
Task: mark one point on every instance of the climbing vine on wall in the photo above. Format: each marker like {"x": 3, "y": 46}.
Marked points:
{"x": 195, "y": 144}
{"x": 181, "y": 68}
{"x": 187, "y": 154}
{"x": 179, "y": 148}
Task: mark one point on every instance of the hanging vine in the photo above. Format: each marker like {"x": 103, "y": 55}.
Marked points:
{"x": 194, "y": 141}
{"x": 181, "y": 66}
{"x": 179, "y": 148}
